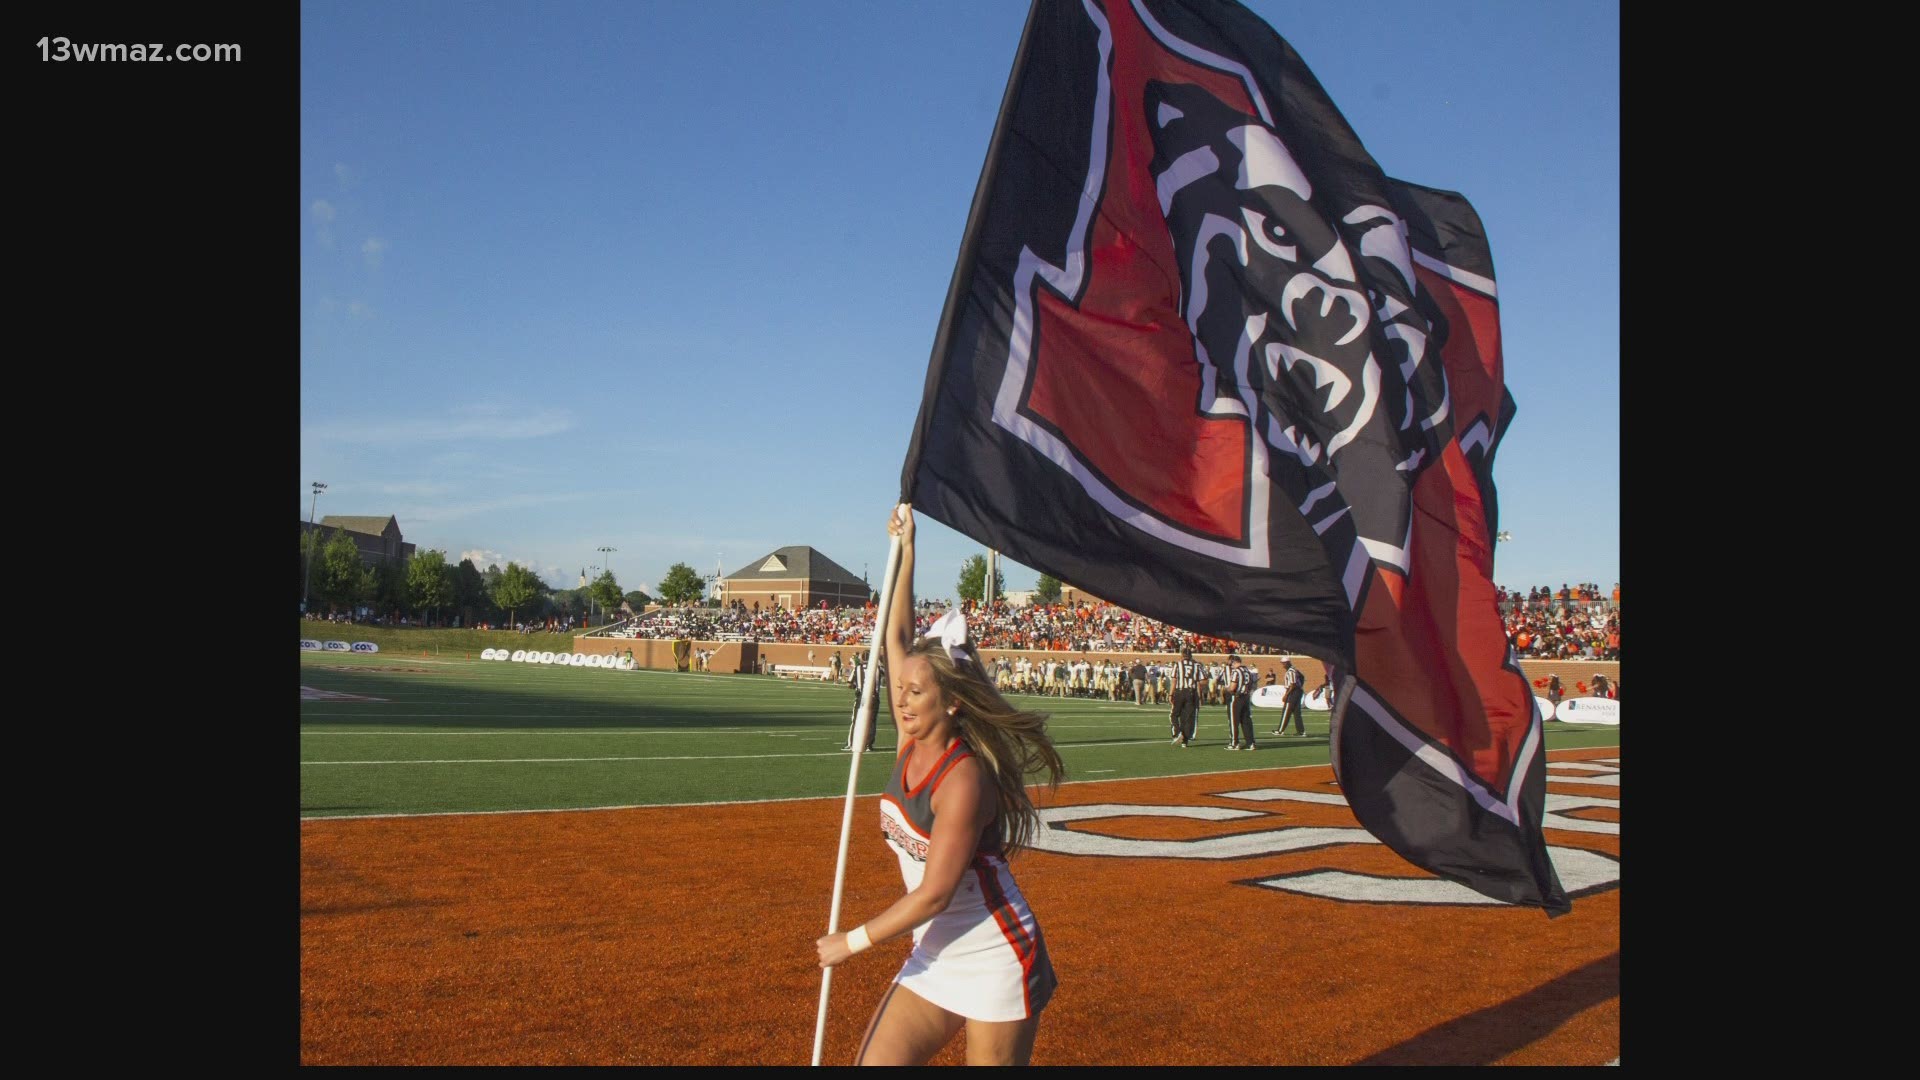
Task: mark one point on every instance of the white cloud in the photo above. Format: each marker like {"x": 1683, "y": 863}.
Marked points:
{"x": 347, "y": 175}
{"x": 327, "y": 305}
{"x": 324, "y": 210}
{"x": 373, "y": 249}
{"x": 483, "y": 558}
{"x": 473, "y": 422}
{"x": 359, "y": 309}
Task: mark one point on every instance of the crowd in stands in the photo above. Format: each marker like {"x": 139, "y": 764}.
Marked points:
{"x": 551, "y": 624}
{"x": 1571, "y": 622}
{"x": 1546, "y": 597}
{"x": 1078, "y": 627}
{"x": 1566, "y": 634}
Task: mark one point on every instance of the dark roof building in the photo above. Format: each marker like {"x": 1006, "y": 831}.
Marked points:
{"x": 793, "y": 577}
{"x": 378, "y": 538}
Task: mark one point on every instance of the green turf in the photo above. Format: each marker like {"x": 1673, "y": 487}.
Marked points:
{"x": 459, "y": 735}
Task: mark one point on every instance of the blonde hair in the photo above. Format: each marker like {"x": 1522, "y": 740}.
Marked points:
{"x": 1012, "y": 743}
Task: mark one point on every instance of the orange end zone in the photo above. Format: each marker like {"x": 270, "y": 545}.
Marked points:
{"x": 684, "y": 935}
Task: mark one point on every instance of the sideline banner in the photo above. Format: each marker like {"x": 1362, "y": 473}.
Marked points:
{"x": 1589, "y": 710}
{"x": 365, "y": 647}
{"x": 338, "y": 646}
{"x": 310, "y": 645}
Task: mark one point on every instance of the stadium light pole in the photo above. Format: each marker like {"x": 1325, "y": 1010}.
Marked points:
{"x": 307, "y": 585}
{"x": 607, "y": 553}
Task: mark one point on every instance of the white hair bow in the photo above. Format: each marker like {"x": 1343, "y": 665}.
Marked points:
{"x": 951, "y": 631}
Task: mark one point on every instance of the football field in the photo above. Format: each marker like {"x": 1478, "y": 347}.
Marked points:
{"x": 1201, "y": 906}
{"x": 390, "y": 735}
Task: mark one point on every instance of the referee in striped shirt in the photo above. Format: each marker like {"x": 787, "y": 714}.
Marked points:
{"x": 1186, "y": 697}
{"x": 1239, "y": 704}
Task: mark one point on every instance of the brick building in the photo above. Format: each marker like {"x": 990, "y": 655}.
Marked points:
{"x": 793, "y": 577}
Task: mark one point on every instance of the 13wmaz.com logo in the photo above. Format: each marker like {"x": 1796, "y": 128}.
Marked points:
{"x": 1582, "y": 872}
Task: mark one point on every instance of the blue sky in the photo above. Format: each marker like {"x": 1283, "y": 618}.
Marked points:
{"x": 663, "y": 276}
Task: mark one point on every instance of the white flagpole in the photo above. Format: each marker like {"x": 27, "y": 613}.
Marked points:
{"x": 861, "y": 726}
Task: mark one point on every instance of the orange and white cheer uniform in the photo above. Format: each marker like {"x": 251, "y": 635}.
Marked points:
{"x": 983, "y": 957}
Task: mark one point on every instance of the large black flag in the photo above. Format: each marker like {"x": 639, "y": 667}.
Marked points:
{"x": 1202, "y": 358}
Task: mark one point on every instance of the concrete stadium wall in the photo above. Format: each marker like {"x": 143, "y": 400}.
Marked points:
{"x": 732, "y": 657}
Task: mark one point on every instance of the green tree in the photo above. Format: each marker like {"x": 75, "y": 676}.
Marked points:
{"x": 637, "y": 600}
{"x": 605, "y": 591}
{"x": 1048, "y": 589}
{"x": 366, "y": 591}
{"x": 338, "y": 577}
{"x": 429, "y": 581}
{"x": 973, "y": 579}
{"x": 516, "y": 588}
{"x": 390, "y": 592}
{"x": 681, "y": 585}
{"x": 469, "y": 591}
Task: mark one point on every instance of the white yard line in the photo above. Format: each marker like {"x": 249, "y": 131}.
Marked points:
{"x": 682, "y": 757}
{"x": 801, "y": 798}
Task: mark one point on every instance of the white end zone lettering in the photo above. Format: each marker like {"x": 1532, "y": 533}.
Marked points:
{"x": 1582, "y": 872}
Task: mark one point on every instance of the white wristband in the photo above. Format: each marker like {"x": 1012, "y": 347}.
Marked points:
{"x": 857, "y": 939}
